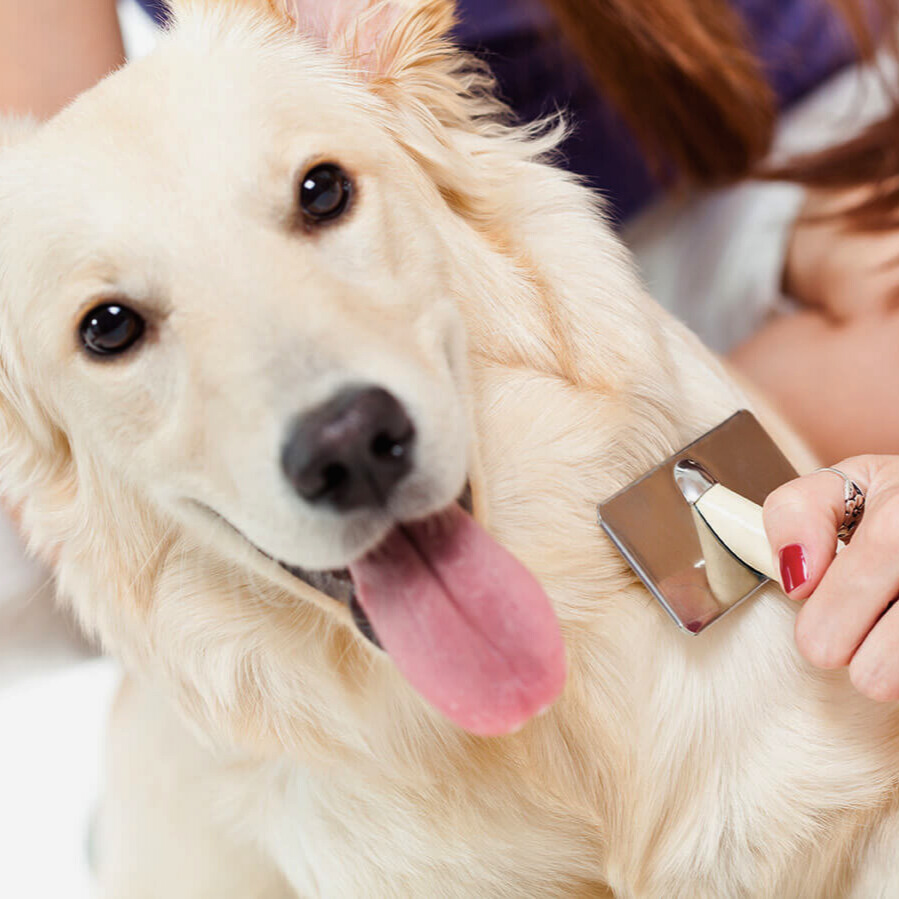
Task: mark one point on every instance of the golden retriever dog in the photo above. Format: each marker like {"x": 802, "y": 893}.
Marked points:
{"x": 271, "y": 298}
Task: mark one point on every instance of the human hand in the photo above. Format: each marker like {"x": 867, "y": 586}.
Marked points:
{"x": 844, "y": 272}
{"x": 847, "y": 619}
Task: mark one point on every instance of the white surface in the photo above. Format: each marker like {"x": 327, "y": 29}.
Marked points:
{"x": 50, "y": 757}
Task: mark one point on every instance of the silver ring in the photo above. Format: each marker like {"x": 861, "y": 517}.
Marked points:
{"x": 854, "y": 498}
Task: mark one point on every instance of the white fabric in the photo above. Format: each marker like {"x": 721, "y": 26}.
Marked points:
{"x": 138, "y": 31}
{"x": 51, "y": 752}
{"x": 716, "y": 259}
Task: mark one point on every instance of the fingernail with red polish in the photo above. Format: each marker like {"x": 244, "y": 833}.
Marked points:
{"x": 793, "y": 567}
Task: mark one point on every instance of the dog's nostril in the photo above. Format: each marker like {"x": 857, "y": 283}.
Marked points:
{"x": 384, "y": 445}
{"x": 334, "y": 476}
{"x": 352, "y": 451}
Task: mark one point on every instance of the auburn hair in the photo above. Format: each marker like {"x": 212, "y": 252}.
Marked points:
{"x": 686, "y": 79}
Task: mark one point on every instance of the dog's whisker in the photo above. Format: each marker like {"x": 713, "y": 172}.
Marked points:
{"x": 33, "y": 597}
{"x": 20, "y": 609}
{"x": 343, "y": 656}
{"x": 151, "y": 555}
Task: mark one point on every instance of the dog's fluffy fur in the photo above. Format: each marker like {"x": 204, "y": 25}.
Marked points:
{"x": 261, "y": 747}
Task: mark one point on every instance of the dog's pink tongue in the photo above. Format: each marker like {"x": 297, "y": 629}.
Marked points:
{"x": 465, "y": 622}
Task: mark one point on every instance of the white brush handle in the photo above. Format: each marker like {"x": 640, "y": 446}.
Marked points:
{"x": 737, "y": 522}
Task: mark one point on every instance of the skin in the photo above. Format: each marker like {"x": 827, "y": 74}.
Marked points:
{"x": 828, "y": 365}
{"x": 847, "y": 619}
{"x": 52, "y": 50}
{"x": 833, "y": 381}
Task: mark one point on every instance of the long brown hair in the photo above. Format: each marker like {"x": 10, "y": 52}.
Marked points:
{"x": 869, "y": 160}
{"x": 686, "y": 79}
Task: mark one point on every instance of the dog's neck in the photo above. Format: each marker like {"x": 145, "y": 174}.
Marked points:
{"x": 558, "y": 297}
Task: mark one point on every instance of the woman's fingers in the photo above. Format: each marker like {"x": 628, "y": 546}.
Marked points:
{"x": 843, "y": 620}
{"x": 874, "y": 670}
{"x": 802, "y": 519}
{"x": 853, "y": 594}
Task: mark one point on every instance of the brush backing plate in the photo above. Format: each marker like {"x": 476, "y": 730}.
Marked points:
{"x": 679, "y": 559}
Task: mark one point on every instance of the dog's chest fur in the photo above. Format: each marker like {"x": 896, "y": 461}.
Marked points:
{"x": 351, "y": 833}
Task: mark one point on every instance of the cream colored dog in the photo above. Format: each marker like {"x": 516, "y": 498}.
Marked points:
{"x": 277, "y": 293}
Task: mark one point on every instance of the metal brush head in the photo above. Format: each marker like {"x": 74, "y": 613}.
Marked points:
{"x": 692, "y": 480}
{"x": 667, "y": 543}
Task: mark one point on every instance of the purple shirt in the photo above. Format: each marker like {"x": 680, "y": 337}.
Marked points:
{"x": 801, "y": 43}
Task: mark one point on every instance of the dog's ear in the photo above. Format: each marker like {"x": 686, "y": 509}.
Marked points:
{"x": 33, "y": 454}
{"x": 380, "y": 38}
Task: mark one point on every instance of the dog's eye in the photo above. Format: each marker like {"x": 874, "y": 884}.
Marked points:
{"x": 325, "y": 193}
{"x": 111, "y": 329}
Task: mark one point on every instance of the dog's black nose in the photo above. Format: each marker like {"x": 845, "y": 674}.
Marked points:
{"x": 352, "y": 451}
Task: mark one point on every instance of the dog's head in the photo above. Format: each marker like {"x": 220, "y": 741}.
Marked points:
{"x": 233, "y": 358}
{"x": 231, "y": 292}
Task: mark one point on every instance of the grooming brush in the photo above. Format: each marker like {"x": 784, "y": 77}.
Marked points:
{"x": 692, "y": 527}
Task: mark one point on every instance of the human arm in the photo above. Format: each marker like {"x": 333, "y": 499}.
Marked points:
{"x": 51, "y": 50}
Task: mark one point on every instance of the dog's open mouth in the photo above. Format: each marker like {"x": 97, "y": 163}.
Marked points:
{"x": 463, "y": 620}
{"x": 339, "y": 584}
